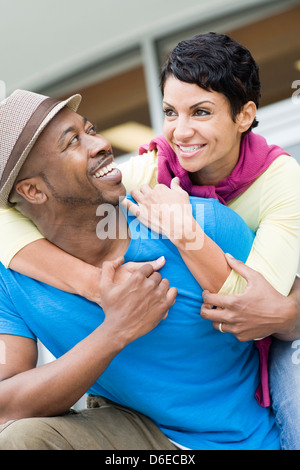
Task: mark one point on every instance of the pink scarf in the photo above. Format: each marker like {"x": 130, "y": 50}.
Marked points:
{"x": 255, "y": 157}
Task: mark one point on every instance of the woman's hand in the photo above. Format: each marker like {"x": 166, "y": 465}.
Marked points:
{"x": 260, "y": 311}
{"x": 164, "y": 210}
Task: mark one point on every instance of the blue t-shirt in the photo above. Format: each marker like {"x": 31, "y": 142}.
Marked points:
{"x": 196, "y": 383}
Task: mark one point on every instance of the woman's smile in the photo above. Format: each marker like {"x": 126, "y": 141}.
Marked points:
{"x": 189, "y": 151}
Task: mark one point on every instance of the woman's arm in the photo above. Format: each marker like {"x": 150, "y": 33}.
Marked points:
{"x": 168, "y": 211}
{"x": 25, "y": 250}
{"x": 45, "y": 262}
{"x": 16, "y": 232}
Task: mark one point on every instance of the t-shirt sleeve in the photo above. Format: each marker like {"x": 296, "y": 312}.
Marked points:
{"x": 232, "y": 234}
{"x": 138, "y": 170}
{"x": 10, "y": 321}
{"x": 276, "y": 248}
{"x": 16, "y": 232}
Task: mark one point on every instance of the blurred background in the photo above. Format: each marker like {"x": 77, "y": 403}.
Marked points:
{"x": 111, "y": 52}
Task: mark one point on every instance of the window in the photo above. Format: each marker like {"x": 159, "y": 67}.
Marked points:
{"x": 275, "y": 45}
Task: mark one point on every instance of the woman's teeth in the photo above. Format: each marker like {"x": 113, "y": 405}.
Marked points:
{"x": 192, "y": 148}
{"x": 111, "y": 169}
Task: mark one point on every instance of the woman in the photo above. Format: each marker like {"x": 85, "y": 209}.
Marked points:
{"x": 211, "y": 91}
{"x": 211, "y": 87}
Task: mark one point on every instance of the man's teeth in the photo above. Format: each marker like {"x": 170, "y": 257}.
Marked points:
{"x": 111, "y": 168}
{"x": 192, "y": 148}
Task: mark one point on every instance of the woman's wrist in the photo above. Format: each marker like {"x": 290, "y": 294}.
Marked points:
{"x": 88, "y": 283}
{"x": 188, "y": 235}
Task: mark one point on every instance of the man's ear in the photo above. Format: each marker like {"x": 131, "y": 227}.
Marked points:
{"x": 31, "y": 191}
{"x": 246, "y": 117}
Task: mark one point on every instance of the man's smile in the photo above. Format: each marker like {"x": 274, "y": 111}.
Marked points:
{"x": 110, "y": 169}
{"x": 107, "y": 170}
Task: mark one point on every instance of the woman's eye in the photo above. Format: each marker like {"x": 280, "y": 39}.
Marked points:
{"x": 169, "y": 112}
{"x": 202, "y": 112}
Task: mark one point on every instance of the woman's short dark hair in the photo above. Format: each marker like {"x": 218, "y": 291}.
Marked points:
{"x": 219, "y": 63}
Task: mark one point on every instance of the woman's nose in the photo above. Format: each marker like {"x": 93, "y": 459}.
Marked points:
{"x": 183, "y": 130}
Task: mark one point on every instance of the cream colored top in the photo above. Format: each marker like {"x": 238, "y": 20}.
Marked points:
{"x": 270, "y": 207}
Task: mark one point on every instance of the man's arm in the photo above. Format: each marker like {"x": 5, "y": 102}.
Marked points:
{"x": 260, "y": 311}
{"x": 131, "y": 310}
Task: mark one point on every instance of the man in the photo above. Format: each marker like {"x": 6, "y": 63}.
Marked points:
{"x": 169, "y": 383}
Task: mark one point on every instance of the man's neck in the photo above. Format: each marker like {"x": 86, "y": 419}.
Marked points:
{"x": 89, "y": 238}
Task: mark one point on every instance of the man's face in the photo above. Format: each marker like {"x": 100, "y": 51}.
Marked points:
{"x": 75, "y": 163}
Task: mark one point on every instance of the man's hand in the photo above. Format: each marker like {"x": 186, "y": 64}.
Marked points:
{"x": 132, "y": 309}
{"x": 124, "y": 271}
{"x": 136, "y": 306}
{"x": 260, "y": 311}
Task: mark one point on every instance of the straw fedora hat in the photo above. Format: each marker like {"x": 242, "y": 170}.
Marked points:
{"x": 23, "y": 116}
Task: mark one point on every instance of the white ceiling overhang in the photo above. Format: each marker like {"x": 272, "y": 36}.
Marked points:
{"x": 42, "y": 41}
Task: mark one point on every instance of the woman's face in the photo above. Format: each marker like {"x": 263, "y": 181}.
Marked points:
{"x": 199, "y": 127}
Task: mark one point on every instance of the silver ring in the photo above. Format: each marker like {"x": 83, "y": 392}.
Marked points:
{"x": 220, "y": 328}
